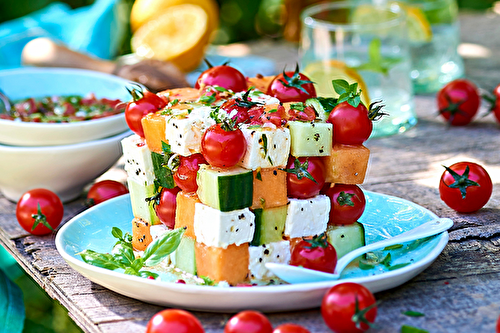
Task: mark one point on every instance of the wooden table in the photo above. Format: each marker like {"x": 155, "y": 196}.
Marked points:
{"x": 458, "y": 293}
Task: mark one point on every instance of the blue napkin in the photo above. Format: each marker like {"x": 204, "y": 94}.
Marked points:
{"x": 97, "y": 30}
{"x": 11, "y": 306}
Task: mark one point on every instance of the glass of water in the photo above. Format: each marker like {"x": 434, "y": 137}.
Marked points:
{"x": 363, "y": 43}
{"x": 434, "y": 43}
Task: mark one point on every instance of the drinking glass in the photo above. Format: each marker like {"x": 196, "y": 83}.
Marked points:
{"x": 363, "y": 43}
{"x": 433, "y": 43}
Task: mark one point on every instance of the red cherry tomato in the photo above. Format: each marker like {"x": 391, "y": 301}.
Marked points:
{"x": 497, "y": 330}
{"x": 291, "y": 87}
{"x": 458, "y": 102}
{"x": 315, "y": 253}
{"x": 347, "y": 203}
{"x": 465, "y": 187}
{"x": 144, "y": 102}
{"x": 223, "y": 76}
{"x": 185, "y": 175}
{"x": 339, "y": 306}
{"x": 248, "y": 322}
{"x": 223, "y": 148}
{"x": 173, "y": 320}
{"x": 290, "y": 328}
{"x": 259, "y": 116}
{"x": 165, "y": 209}
{"x": 39, "y": 211}
{"x": 299, "y": 111}
{"x": 351, "y": 125}
{"x": 299, "y": 185}
{"x": 495, "y": 108}
{"x": 241, "y": 110}
{"x": 104, "y": 190}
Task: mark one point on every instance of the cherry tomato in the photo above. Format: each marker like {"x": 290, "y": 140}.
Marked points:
{"x": 241, "y": 111}
{"x": 104, "y": 190}
{"x": 144, "y": 102}
{"x": 299, "y": 174}
{"x": 347, "y": 203}
{"x": 290, "y": 328}
{"x": 299, "y": 111}
{"x": 465, "y": 187}
{"x": 338, "y": 308}
{"x": 315, "y": 253}
{"x": 291, "y": 87}
{"x": 174, "y": 320}
{"x": 495, "y": 107}
{"x": 223, "y": 76}
{"x": 185, "y": 175}
{"x": 458, "y": 102}
{"x": 221, "y": 147}
{"x": 497, "y": 330}
{"x": 39, "y": 211}
{"x": 165, "y": 209}
{"x": 351, "y": 125}
{"x": 248, "y": 322}
{"x": 259, "y": 116}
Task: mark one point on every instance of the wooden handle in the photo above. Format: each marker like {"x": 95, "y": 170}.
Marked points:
{"x": 43, "y": 52}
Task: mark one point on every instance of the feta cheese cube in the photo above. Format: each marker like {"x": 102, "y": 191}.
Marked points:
{"x": 138, "y": 163}
{"x": 184, "y": 131}
{"x": 266, "y": 147}
{"x": 220, "y": 229}
{"x": 276, "y": 252}
{"x": 307, "y": 217}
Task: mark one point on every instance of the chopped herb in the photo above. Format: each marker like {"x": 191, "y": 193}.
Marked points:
{"x": 397, "y": 266}
{"x": 207, "y": 281}
{"x": 393, "y": 247}
{"x": 412, "y": 313}
{"x": 411, "y": 329}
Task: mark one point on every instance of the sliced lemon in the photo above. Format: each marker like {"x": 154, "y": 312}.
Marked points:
{"x": 419, "y": 28}
{"x": 144, "y": 11}
{"x": 180, "y": 36}
{"x": 323, "y": 72}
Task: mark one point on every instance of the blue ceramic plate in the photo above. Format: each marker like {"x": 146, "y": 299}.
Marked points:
{"x": 384, "y": 216}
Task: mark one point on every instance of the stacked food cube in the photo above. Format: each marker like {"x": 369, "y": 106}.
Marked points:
{"x": 241, "y": 216}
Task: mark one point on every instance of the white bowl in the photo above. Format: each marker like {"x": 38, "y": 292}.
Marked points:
{"x": 27, "y": 82}
{"x": 64, "y": 170}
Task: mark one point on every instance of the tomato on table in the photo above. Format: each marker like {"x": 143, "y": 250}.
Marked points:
{"x": 465, "y": 187}
{"x": 291, "y": 87}
{"x": 185, "y": 175}
{"x": 39, "y": 211}
{"x": 166, "y": 205}
{"x": 315, "y": 253}
{"x": 349, "y": 308}
{"x": 222, "y": 146}
{"x": 104, "y": 190}
{"x": 223, "y": 76}
{"x": 458, "y": 102}
{"x": 347, "y": 203}
{"x": 248, "y": 322}
{"x": 290, "y": 328}
{"x": 305, "y": 177}
{"x": 144, "y": 102}
{"x": 494, "y": 102}
{"x": 174, "y": 320}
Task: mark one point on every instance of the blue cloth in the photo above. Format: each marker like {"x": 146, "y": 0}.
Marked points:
{"x": 11, "y": 306}
{"x": 97, "y": 29}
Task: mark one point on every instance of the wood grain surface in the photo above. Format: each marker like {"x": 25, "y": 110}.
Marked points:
{"x": 457, "y": 293}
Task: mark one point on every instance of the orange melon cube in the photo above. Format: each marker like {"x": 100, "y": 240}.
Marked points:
{"x": 347, "y": 164}
{"x": 184, "y": 212}
{"x": 181, "y": 94}
{"x": 154, "y": 126}
{"x": 269, "y": 188}
{"x": 141, "y": 236}
{"x": 223, "y": 264}
{"x": 260, "y": 82}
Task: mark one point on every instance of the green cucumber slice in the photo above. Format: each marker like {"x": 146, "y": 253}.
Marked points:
{"x": 310, "y": 138}
{"x": 346, "y": 238}
{"x": 184, "y": 256}
{"x": 269, "y": 225}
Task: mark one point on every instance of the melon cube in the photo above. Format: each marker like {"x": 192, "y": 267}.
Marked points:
{"x": 307, "y": 217}
{"x": 153, "y": 125}
{"x": 277, "y": 252}
{"x": 266, "y": 147}
{"x": 138, "y": 163}
{"x": 223, "y": 264}
{"x": 221, "y": 229}
{"x": 269, "y": 188}
{"x": 141, "y": 207}
{"x": 184, "y": 212}
{"x": 310, "y": 138}
{"x": 269, "y": 225}
{"x": 141, "y": 235}
{"x": 347, "y": 164}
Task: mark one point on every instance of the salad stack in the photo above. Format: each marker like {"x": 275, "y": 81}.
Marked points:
{"x": 248, "y": 171}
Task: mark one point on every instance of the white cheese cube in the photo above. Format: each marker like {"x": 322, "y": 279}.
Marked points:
{"x": 184, "y": 132}
{"x": 138, "y": 163}
{"x": 276, "y": 252}
{"x": 220, "y": 229}
{"x": 266, "y": 147}
{"x": 307, "y": 217}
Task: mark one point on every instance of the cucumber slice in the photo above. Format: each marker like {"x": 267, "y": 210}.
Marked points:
{"x": 184, "y": 256}
{"x": 269, "y": 225}
{"x": 346, "y": 238}
{"x": 138, "y": 195}
{"x": 310, "y": 138}
{"x": 225, "y": 189}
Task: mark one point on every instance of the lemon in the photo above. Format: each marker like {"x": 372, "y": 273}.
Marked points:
{"x": 180, "y": 36}
{"x": 144, "y": 11}
{"x": 323, "y": 72}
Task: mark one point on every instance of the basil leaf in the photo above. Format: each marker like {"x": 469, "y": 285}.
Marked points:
{"x": 117, "y": 233}
{"x": 162, "y": 247}
{"x": 147, "y": 274}
{"x": 123, "y": 253}
{"x": 413, "y": 313}
{"x": 131, "y": 271}
{"x": 340, "y": 86}
{"x": 103, "y": 260}
{"x": 411, "y": 329}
